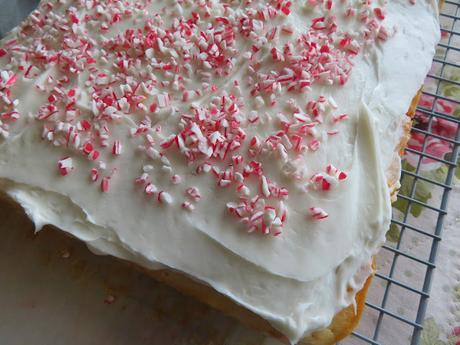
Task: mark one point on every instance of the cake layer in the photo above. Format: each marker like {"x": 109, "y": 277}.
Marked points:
{"x": 246, "y": 144}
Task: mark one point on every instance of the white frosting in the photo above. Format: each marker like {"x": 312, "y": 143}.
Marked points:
{"x": 298, "y": 281}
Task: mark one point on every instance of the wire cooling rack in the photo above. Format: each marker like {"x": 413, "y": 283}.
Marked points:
{"x": 383, "y": 322}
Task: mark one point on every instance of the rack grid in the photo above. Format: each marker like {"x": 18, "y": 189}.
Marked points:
{"x": 380, "y": 320}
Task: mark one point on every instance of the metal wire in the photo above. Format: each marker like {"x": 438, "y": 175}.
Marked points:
{"x": 451, "y": 14}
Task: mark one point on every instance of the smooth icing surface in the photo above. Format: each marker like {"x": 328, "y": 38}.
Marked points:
{"x": 140, "y": 92}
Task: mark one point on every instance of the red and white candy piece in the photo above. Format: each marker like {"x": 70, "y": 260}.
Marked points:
{"x": 333, "y": 171}
{"x": 150, "y": 189}
{"x": 94, "y": 174}
{"x": 164, "y": 198}
{"x": 317, "y": 213}
{"x": 143, "y": 179}
{"x": 116, "y": 148}
{"x": 187, "y": 205}
{"x": 176, "y": 179}
{"x": 193, "y": 193}
{"x": 65, "y": 166}
{"x": 329, "y": 180}
{"x": 105, "y": 184}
